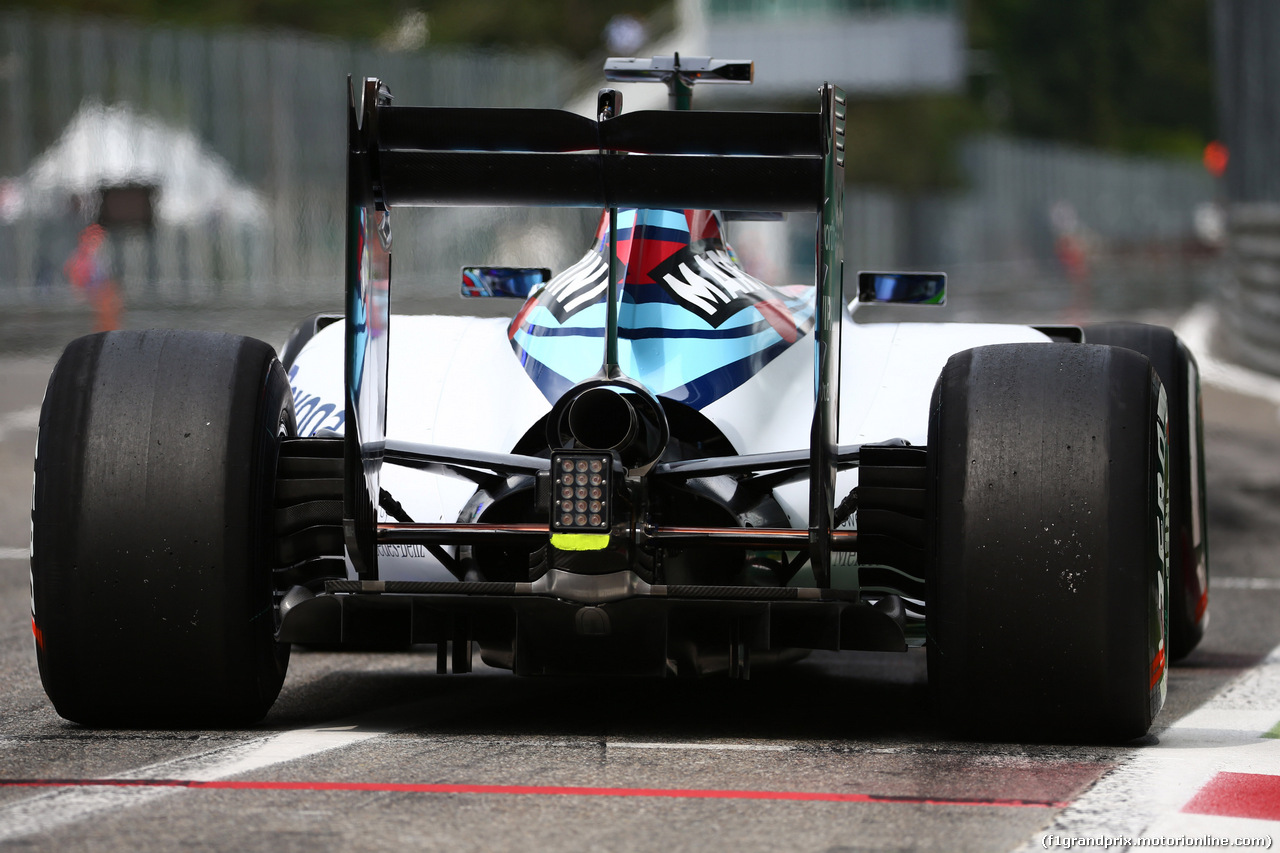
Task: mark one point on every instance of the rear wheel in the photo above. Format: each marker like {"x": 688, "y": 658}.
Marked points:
{"x": 1049, "y": 543}
{"x": 152, "y": 599}
{"x": 1188, "y": 524}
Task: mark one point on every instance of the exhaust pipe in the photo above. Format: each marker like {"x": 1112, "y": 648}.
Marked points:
{"x": 611, "y": 414}
{"x": 600, "y": 418}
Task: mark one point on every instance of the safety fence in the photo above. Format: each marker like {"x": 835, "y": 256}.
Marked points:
{"x": 1049, "y": 231}
{"x": 235, "y": 140}
{"x": 1250, "y": 307}
{"x": 1247, "y": 71}
{"x": 224, "y": 149}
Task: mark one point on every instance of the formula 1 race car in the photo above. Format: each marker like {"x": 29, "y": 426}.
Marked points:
{"x": 661, "y": 465}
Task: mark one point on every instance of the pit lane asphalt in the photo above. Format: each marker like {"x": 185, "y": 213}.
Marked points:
{"x": 847, "y": 725}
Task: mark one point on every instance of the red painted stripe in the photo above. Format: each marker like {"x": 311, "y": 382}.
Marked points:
{"x": 37, "y": 633}
{"x": 1202, "y": 605}
{"x": 1251, "y": 795}
{"x": 544, "y": 790}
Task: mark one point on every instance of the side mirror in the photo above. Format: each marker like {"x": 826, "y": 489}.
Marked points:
{"x": 911, "y": 288}
{"x": 517, "y": 282}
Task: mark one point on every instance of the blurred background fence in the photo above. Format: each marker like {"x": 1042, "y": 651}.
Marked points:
{"x": 231, "y": 144}
{"x": 1247, "y": 33}
{"x": 1045, "y": 228}
{"x": 1250, "y": 296}
{"x": 235, "y": 139}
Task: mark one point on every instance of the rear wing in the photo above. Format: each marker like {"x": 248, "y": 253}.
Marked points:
{"x": 516, "y": 157}
{"x": 429, "y": 156}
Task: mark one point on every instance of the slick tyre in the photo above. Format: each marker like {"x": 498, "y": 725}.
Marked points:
{"x": 1188, "y": 524}
{"x": 151, "y": 592}
{"x": 1047, "y": 472}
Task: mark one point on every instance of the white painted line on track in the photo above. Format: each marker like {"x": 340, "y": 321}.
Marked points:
{"x": 15, "y": 553}
{"x": 1144, "y": 796}
{"x": 49, "y": 811}
{"x": 728, "y": 747}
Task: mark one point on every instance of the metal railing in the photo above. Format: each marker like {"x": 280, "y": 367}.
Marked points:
{"x": 1247, "y": 66}
{"x": 267, "y": 109}
{"x": 1250, "y": 307}
{"x": 262, "y": 111}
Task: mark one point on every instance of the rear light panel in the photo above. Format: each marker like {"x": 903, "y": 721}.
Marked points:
{"x": 581, "y": 491}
